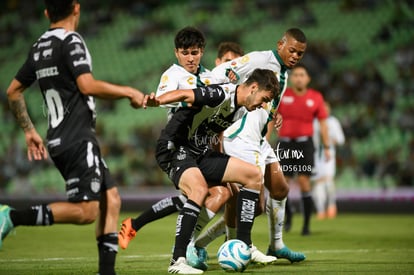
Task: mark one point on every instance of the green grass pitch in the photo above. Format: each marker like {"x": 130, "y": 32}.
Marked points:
{"x": 350, "y": 244}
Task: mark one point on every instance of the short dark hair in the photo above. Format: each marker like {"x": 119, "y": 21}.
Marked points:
{"x": 189, "y": 37}
{"x": 297, "y": 34}
{"x": 266, "y": 80}
{"x": 300, "y": 66}
{"x": 59, "y": 9}
{"x": 225, "y": 47}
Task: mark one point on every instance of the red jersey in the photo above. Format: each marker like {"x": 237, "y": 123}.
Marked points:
{"x": 299, "y": 111}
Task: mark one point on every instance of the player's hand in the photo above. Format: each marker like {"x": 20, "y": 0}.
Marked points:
{"x": 35, "y": 148}
{"x": 151, "y": 101}
{"x": 327, "y": 153}
{"x": 232, "y": 75}
{"x": 137, "y": 99}
{"x": 278, "y": 121}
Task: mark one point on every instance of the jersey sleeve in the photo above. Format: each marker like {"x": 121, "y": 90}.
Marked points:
{"x": 321, "y": 112}
{"x": 211, "y": 96}
{"x": 76, "y": 55}
{"x": 168, "y": 83}
{"x": 337, "y": 132}
{"x": 27, "y": 73}
{"x": 243, "y": 66}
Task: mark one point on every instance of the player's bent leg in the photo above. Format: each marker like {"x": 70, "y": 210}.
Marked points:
{"x": 160, "y": 209}
{"x": 84, "y": 212}
{"x": 307, "y": 202}
{"x": 275, "y": 181}
{"x": 319, "y": 198}
{"x": 277, "y": 248}
{"x": 250, "y": 177}
{"x": 218, "y": 196}
{"x": 194, "y": 186}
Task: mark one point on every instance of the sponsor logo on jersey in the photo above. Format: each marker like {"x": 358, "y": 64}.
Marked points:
{"x": 190, "y": 80}
{"x": 95, "y": 185}
{"x": 75, "y": 40}
{"x": 47, "y": 72}
{"x": 162, "y": 88}
{"x": 72, "y": 181}
{"x": 54, "y": 142}
{"x": 72, "y": 192}
{"x": 310, "y": 102}
{"x": 182, "y": 154}
{"x": 288, "y": 99}
{"x": 244, "y": 59}
{"x": 47, "y": 54}
{"x": 81, "y": 61}
{"x": 44, "y": 44}
{"x": 77, "y": 50}
{"x": 36, "y": 56}
{"x": 164, "y": 79}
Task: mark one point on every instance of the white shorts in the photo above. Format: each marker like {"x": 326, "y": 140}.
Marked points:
{"x": 259, "y": 156}
{"x": 324, "y": 169}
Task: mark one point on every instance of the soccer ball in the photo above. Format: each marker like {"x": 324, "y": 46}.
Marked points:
{"x": 234, "y": 255}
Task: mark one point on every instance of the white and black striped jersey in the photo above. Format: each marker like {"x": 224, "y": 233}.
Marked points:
{"x": 253, "y": 126}
{"x": 55, "y": 61}
{"x": 214, "y": 109}
{"x": 178, "y": 78}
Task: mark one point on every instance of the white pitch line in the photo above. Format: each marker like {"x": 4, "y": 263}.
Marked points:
{"x": 158, "y": 256}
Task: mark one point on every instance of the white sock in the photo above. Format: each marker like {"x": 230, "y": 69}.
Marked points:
{"x": 275, "y": 211}
{"x": 331, "y": 191}
{"x": 206, "y": 215}
{"x": 212, "y": 233}
{"x": 319, "y": 197}
{"x": 231, "y": 233}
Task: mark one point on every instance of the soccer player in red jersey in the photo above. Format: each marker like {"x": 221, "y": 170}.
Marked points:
{"x": 299, "y": 106}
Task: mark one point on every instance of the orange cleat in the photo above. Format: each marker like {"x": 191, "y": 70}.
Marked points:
{"x": 126, "y": 234}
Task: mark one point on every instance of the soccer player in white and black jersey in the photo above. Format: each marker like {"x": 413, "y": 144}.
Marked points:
{"x": 61, "y": 64}
{"x": 186, "y": 73}
{"x": 247, "y": 140}
{"x": 184, "y": 153}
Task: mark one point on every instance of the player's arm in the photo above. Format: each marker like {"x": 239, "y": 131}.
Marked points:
{"x": 186, "y": 96}
{"x": 239, "y": 68}
{"x": 210, "y": 96}
{"x": 77, "y": 60}
{"x": 90, "y": 86}
{"x": 35, "y": 148}
{"x": 325, "y": 137}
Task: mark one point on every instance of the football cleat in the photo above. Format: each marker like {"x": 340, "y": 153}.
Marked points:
{"x": 286, "y": 253}
{"x": 260, "y": 258}
{"x": 126, "y": 234}
{"x": 197, "y": 257}
{"x": 180, "y": 266}
{"x": 6, "y": 225}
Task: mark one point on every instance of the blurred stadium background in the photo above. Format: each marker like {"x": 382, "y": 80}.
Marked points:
{"x": 360, "y": 56}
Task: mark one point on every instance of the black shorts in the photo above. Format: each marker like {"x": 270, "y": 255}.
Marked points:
{"x": 212, "y": 164}
{"x": 296, "y": 157}
{"x": 84, "y": 171}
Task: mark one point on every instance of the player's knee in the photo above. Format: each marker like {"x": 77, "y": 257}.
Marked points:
{"x": 89, "y": 212}
{"x": 280, "y": 192}
{"x": 254, "y": 180}
{"x": 222, "y": 194}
